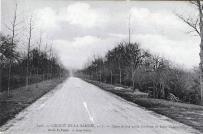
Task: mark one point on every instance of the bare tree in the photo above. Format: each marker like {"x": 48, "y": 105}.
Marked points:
{"x": 197, "y": 25}
{"x": 119, "y": 52}
{"x": 51, "y": 59}
{"x": 13, "y": 30}
{"x": 39, "y": 48}
{"x": 110, "y": 65}
{"x": 133, "y": 57}
{"x": 28, "y": 49}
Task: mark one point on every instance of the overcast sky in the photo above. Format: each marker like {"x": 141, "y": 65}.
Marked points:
{"x": 81, "y": 29}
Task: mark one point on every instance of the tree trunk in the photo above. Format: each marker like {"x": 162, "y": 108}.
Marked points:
{"x": 201, "y": 69}
{"x": 111, "y": 78}
{"x": 27, "y": 74}
{"x": 1, "y": 79}
{"x": 120, "y": 75}
{"x": 132, "y": 79}
{"x": 100, "y": 77}
{"x": 201, "y": 66}
{"x": 120, "y": 81}
{"x": 133, "y": 86}
{"x": 163, "y": 91}
{"x": 9, "y": 78}
{"x": 133, "y": 83}
{"x": 201, "y": 48}
{"x": 154, "y": 90}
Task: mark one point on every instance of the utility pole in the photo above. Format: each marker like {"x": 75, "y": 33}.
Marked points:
{"x": 129, "y": 28}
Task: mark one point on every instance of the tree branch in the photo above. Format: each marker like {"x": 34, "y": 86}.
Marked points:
{"x": 191, "y": 23}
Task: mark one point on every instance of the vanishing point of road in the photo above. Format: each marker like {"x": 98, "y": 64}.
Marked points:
{"x": 76, "y": 107}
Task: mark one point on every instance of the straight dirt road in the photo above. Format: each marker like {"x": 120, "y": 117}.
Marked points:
{"x": 76, "y": 107}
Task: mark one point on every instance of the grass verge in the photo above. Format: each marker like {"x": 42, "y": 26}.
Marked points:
{"x": 189, "y": 114}
{"x": 22, "y": 97}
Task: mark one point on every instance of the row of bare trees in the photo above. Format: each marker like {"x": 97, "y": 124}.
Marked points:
{"x": 19, "y": 67}
{"x": 157, "y": 74}
{"x": 129, "y": 65}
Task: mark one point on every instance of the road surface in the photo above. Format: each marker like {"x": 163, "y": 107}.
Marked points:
{"x": 76, "y": 107}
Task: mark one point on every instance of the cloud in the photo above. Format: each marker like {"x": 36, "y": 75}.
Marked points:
{"x": 83, "y": 15}
{"x": 162, "y": 22}
{"x": 75, "y": 53}
{"x": 77, "y": 14}
{"x": 82, "y": 29}
{"x": 46, "y": 18}
{"x": 145, "y": 17}
{"x": 183, "y": 52}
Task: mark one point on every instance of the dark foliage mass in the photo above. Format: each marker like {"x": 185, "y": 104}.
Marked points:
{"x": 43, "y": 65}
{"x": 129, "y": 65}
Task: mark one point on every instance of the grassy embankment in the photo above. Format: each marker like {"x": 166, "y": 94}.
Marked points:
{"x": 188, "y": 114}
{"x": 22, "y": 97}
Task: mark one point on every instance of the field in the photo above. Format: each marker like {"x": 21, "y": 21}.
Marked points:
{"x": 22, "y": 97}
{"x": 188, "y": 114}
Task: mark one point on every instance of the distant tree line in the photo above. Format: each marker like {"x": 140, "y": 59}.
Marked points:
{"x": 129, "y": 65}
{"x": 43, "y": 65}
